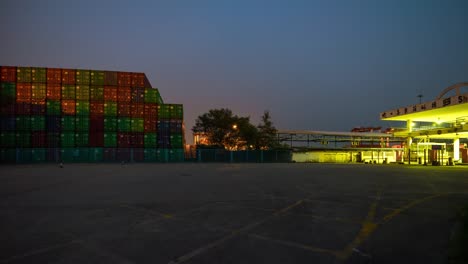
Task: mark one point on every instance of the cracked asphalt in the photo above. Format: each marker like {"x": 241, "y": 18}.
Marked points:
{"x": 229, "y": 213}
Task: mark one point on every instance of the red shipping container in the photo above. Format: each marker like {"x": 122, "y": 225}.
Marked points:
{"x": 96, "y": 139}
{"x": 137, "y": 140}
{"x": 68, "y": 76}
{"x": 38, "y": 107}
{"x": 124, "y": 140}
{"x": 137, "y": 110}
{"x": 110, "y": 93}
{"x": 124, "y": 109}
{"x": 23, "y": 108}
{"x": 23, "y": 92}
{"x": 125, "y": 78}
{"x": 138, "y": 79}
{"x": 7, "y": 109}
{"x": 54, "y": 91}
{"x": 111, "y": 78}
{"x": 54, "y": 75}
{"x": 68, "y": 107}
{"x": 124, "y": 94}
{"x": 151, "y": 110}
{"x": 139, "y": 154}
{"x": 150, "y": 124}
{"x": 8, "y": 74}
{"x": 96, "y": 124}
{"x": 96, "y": 108}
{"x": 39, "y": 139}
{"x": 122, "y": 155}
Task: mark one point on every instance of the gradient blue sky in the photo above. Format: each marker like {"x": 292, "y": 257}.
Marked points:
{"x": 321, "y": 65}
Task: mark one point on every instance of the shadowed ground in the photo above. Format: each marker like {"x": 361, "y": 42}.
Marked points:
{"x": 229, "y": 213}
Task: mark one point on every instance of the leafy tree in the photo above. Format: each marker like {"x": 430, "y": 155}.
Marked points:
{"x": 267, "y": 133}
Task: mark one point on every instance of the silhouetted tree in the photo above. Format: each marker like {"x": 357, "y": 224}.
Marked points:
{"x": 267, "y": 133}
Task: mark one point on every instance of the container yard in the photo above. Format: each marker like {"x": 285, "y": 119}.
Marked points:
{"x": 76, "y": 115}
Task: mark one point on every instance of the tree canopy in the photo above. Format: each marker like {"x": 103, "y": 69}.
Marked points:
{"x": 224, "y": 129}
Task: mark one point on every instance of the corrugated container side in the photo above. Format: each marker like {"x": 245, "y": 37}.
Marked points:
{"x": 124, "y": 94}
{"x": 23, "y": 108}
{"x": 7, "y": 139}
{"x": 138, "y": 125}
{"x": 96, "y": 93}
{"x": 7, "y": 123}
{"x": 82, "y": 139}
{"x": 124, "y": 109}
{"x": 54, "y": 91}
{"x": 110, "y": 124}
{"x": 23, "y": 123}
{"x": 23, "y": 74}
{"x": 68, "y": 107}
{"x": 7, "y": 109}
{"x": 54, "y": 76}
{"x": 39, "y": 139}
{"x": 53, "y": 139}
{"x": 68, "y": 77}
{"x": 138, "y": 79}
{"x": 150, "y": 124}
{"x": 138, "y": 95}
{"x": 39, "y": 75}
{"x": 38, "y": 123}
{"x": 23, "y": 92}
{"x": 110, "y": 109}
{"x": 83, "y": 77}
{"x": 124, "y": 78}
{"x": 96, "y": 123}
{"x": 150, "y": 140}
{"x": 111, "y": 78}
{"x": 124, "y": 124}
{"x": 97, "y": 77}
{"x": 96, "y": 139}
{"x": 110, "y": 93}
{"x": 53, "y": 124}
{"x": 137, "y": 109}
{"x": 68, "y": 92}
{"x": 7, "y": 93}
{"x": 53, "y": 107}
{"x": 96, "y": 108}
{"x": 38, "y": 91}
{"x": 38, "y": 107}
{"x": 39, "y": 154}
{"x": 82, "y": 92}
{"x": 96, "y": 154}
{"x": 82, "y": 107}
{"x": 8, "y": 74}
{"x": 110, "y": 139}
{"x": 82, "y": 123}
{"x": 68, "y": 123}
{"x": 23, "y": 139}
{"x": 67, "y": 139}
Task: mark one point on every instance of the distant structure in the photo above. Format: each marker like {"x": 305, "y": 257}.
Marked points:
{"x": 436, "y": 131}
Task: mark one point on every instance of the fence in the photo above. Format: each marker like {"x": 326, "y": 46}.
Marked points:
{"x": 259, "y": 156}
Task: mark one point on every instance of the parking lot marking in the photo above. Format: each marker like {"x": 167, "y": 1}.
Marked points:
{"x": 398, "y": 211}
{"x": 233, "y": 234}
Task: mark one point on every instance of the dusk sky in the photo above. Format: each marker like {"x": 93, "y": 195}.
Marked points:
{"x": 315, "y": 65}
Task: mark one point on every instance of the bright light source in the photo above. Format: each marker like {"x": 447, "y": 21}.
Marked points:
{"x": 413, "y": 124}
{"x": 234, "y": 126}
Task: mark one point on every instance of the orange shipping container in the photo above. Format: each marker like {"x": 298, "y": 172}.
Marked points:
{"x": 150, "y": 124}
{"x": 68, "y": 76}
{"x": 110, "y": 93}
{"x": 125, "y": 78}
{"x": 8, "y": 74}
{"x": 23, "y": 92}
{"x": 151, "y": 110}
{"x": 124, "y": 109}
{"x": 68, "y": 107}
{"x": 137, "y": 110}
{"x": 138, "y": 79}
{"x": 96, "y": 108}
{"x": 124, "y": 94}
{"x": 54, "y": 91}
{"x": 54, "y": 75}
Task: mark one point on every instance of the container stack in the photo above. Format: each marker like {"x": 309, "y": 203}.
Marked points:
{"x": 69, "y": 115}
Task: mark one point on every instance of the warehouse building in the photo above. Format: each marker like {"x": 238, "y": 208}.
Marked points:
{"x": 74, "y": 115}
{"x": 436, "y": 131}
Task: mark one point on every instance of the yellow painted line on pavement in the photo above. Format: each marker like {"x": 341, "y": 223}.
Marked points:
{"x": 398, "y": 211}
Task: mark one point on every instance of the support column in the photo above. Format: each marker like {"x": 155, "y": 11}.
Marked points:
{"x": 409, "y": 140}
{"x": 456, "y": 150}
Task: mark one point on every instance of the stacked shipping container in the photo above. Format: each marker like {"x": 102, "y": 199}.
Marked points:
{"x": 68, "y": 115}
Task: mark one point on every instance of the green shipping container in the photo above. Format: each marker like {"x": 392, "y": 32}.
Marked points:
{"x": 176, "y": 111}
{"x": 96, "y": 154}
{"x": 7, "y": 92}
{"x": 53, "y": 107}
{"x": 110, "y": 139}
{"x": 97, "y": 77}
{"x": 152, "y": 95}
{"x": 7, "y": 139}
{"x": 83, "y": 155}
{"x": 68, "y": 92}
{"x": 82, "y": 92}
{"x": 124, "y": 124}
{"x": 82, "y": 77}
{"x": 82, "y": 123}
{"x": 96, "y": 93}
{"x": 67, "y": 139}
{"x": 23, "y": 74}
{"x": 150, "y": 155}
{"x": 68, "y": 123}
{"x": 23, "y": 123}
{"x": 138, "y": 125}
{"x": 110, "y": 109}
{"x": 150, "y": 140}
{"x": 24, "y": 155}
{"x": 39, "y": 75}
{"x": 69, "y": 154}
{"x": 82, "y": 108}
{"x": 37, "y": 123}
{"x": 110, "y": 124}
{"x": 38, "y": 154}
{"x": 23, "y": 139}
{"x": 164, "y": 111}
{"x": 176, "y": 155}
{"x": 38, "y": 91}
{"x": 82, "y": 139}
{"x": 176, "y": 141}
